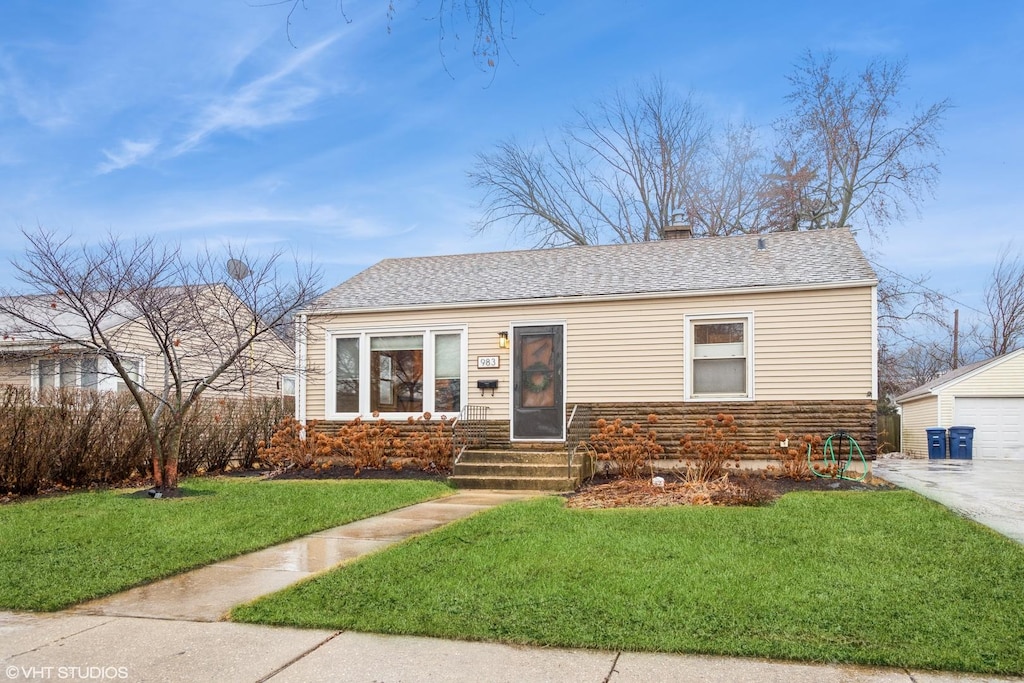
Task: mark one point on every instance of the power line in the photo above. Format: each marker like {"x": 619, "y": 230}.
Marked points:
{"x": 929, "y": 289}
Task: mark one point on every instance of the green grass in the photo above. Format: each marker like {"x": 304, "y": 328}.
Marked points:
{"x": 60, "y": 551}
{"x": 880, "y": 578}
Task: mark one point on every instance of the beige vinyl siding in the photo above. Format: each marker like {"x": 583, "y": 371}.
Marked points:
{"x": 16, "y": 372}
{"x": 269, "y": 359}
{"x": 807, "y": 345}
{"x": 918, "y": 415}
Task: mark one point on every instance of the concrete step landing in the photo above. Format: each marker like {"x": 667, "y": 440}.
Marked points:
{"x": 519, "y": 470}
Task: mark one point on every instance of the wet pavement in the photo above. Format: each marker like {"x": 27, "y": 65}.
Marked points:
{"x": 990, "y": 492}
{"x": 208, "y": 593}
{"x": 73, "y": 647}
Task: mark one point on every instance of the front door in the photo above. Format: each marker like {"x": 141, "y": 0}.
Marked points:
{"x": 538, "y": 404}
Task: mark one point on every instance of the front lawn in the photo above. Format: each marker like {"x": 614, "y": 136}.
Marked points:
{"x": 60, "y": 551}
{"x": 880, "y": 578}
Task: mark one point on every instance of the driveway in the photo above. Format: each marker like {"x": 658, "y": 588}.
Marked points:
{"x": 988, "y": 491}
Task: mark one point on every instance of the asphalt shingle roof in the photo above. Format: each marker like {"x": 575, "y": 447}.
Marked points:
{"x": 816, "y": 258}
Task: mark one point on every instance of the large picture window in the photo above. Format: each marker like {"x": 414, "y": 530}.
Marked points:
{"x": 719, "y": 359}
{"x": 396, "y": 374}
{"x": 399, "y": 373}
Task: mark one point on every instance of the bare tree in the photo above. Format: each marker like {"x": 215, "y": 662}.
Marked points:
{"x": 615, "y": 174}
{"x": 904, "y": 358}
{"x": 869, "y": 162}
{"x": 118, "y": 300}
{"x": 490, "y": 22}
{"x": 733, "y": 179}
{"x": 1003, "y": 330}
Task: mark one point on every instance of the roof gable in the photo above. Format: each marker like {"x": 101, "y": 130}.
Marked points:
{"x": 952, "y": 377}
{"x": 788, "y": 259}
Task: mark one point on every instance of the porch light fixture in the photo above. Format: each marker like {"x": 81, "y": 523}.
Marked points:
{"x": 503, "y": 340}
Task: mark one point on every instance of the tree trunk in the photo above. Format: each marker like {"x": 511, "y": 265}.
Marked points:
{"x": 170, "y": 464}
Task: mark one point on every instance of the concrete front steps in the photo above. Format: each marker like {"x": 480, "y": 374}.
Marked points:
{"x": 516, "y": 470}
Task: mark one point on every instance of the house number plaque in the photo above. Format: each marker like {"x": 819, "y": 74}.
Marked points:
{"x": 487, "y": 361}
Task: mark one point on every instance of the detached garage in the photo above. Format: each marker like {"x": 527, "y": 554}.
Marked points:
{"x": 988, "y": 396}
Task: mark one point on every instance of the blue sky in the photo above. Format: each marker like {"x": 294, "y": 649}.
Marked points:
{"x": 198, "y": 120}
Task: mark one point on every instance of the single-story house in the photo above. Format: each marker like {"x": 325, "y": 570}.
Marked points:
{"x": 988, "y": 395}
{"x": 779, "y": 330}
{"x": 31, "y": 358}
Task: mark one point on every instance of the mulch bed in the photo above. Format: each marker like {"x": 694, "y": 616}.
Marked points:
{"x": 740, "y": 487}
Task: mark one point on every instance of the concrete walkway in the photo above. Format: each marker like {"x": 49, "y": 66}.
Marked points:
{"x": 170, "y": 631}
{"x": 209, "y": 593}
{"x": 990, "y": 492}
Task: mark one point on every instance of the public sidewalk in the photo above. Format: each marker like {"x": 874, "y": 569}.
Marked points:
{"x": 74, "y": 647}
{"x": 172, "y": 631}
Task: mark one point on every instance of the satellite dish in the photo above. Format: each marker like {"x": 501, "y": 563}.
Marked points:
{"x": 237, "y": 269}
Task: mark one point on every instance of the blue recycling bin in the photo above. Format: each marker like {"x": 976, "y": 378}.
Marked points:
{"x": 936, "y": 443}
{"x": 961, "y": 443}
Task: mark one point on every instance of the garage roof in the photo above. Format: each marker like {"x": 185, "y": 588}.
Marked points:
{"x": 954, "y": 376}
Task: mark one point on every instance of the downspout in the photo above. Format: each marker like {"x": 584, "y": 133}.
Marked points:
{"x": 300, "y": 369}
{"x": 874, "y": 344}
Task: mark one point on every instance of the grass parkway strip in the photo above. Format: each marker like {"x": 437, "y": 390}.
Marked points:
{"x": 880, "y": 578}
{"x": 61, "y": 551}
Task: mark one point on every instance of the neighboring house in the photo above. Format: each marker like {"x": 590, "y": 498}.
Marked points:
{"x": 988, "y": 395}
{"x": 31, "y": 359}
{"x": 779, "y": 330}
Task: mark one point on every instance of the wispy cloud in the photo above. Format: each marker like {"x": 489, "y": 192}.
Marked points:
{"x": 269, "y": 100}
{"x": 128, "y": 154}
{"x": 35, "y": 102}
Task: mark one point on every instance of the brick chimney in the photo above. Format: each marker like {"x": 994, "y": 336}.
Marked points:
{"x": 679, "y": 229}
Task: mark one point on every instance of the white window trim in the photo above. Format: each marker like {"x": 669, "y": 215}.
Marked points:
{"x": 746, "y": 317}
{"x": 428, "y": 332}
{"x": 36, "y": 377}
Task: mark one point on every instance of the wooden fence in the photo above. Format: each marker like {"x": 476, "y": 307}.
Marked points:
{"x": 888, "y": 433}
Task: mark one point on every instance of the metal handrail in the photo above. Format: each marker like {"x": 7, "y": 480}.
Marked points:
{"x": 577, "y": 433}
{"x": 469, "y": 429}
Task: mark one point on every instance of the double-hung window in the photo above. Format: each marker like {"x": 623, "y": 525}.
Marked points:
{"x": 397, "y": 373}
{"x": 88, "y": 371}
{"x": 718, "y": 357}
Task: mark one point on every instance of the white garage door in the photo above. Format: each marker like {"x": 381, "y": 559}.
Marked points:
{"x": 998, "y": 423}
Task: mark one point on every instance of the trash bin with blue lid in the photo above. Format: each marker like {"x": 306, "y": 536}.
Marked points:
{"x": 961, "y": 443}
{"x": 936, "y": 443}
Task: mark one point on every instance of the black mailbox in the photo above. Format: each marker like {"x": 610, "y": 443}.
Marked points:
{"x": 485, "y": 384}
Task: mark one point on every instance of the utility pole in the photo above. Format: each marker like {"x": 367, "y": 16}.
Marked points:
{"x": 956, "y": 337}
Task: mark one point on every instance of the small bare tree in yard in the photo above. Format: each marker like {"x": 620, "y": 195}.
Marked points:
{"x": 208, "y": 322}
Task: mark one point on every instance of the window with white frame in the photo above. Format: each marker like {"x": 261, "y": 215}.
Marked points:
{"x": 83, "y": 372}
{"x": 718, "y": 357}
{"x": 398, "y": 373}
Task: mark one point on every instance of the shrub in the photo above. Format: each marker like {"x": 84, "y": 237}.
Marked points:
{"x": 294, "y": 445}
{"x": 368, "y": 444}
{"x": 73, "y": 438}
{"x": 221, "y": 432}
{"x": 631, "y": 447}
{"x": 430, "y": 446}
{"x": 792, "y": 459}
{"x": 711, "y": 451}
